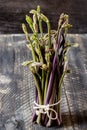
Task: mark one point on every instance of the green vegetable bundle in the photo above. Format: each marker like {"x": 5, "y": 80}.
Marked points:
{"x": 49, "y": 65}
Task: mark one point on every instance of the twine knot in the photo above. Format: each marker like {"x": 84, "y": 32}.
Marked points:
{"x": 44, "y": 109}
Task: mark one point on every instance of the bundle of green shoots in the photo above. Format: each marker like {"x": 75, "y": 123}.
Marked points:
{"x": 48, "y": 65}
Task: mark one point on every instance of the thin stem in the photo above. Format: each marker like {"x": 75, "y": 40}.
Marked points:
{"x": 28, "y": 39}
{"x": 49, "y": 33}
{"x": 46, "y": 84}
{"x": 43, "y": 84}
{"x": 39, "y": 20}
{"x": 37, "y": 82}
{"x": 59, "y": 91}
{"x": 40, "y": 27}
{"x": 41, "y": 60}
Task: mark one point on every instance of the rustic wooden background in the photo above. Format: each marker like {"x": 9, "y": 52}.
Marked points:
{"x": 12, "y": 13}
{"x": 17, "y": 86}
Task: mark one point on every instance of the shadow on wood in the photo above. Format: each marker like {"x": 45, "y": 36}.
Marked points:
{"x": 68, "y": 122}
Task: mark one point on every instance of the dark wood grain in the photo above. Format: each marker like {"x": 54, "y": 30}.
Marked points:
{"x": 17, "y": 86}
{"x": 12, "y": 13}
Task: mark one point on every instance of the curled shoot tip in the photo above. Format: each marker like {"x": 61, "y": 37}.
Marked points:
{"x": 44, "y": 18}
{"x": 24, "y": 28}
{"x": 38, "y": 8}
{"x": 34, "y": 18}
{"x": 33, "y": 12}
{"x": 66, "y": 16}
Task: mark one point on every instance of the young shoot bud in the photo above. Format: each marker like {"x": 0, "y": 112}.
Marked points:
{"x": 38, "y": 8}
{"x": 24, "y": 29}
{"x": 38, "y": 12}
{"x": 30, "y": 22}
{"x": 44, "y": 67}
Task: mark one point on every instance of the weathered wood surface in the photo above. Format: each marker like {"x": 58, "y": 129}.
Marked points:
{"x": 17, "y": 86}
{"x": 12, "y": 13}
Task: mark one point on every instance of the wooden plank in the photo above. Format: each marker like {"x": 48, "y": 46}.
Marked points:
{"x": 17, "y": 86}
{"x": 76, "y": 84}
{"x": 12, "y": 13}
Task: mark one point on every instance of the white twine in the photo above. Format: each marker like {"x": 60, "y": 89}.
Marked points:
{"x": 44, "y": 109}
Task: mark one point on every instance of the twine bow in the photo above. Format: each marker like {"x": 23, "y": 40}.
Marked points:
{"x": 44, "y": 109}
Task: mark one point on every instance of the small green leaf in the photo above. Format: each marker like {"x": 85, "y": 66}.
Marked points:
{"x": 75, "y": 45}
{"x": 27, "y": 63}
{"x": 68, "y": 44}
{"x": 28, "y": 19}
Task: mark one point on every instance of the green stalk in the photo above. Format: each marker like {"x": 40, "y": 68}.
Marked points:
{"x": 39, "y": 49}
{"x": 28, "y": 38}
{"x": 37, "y": 38}
{"x": 46, "y": 84}
{"x": 37, "y": 82}
{"x": 45, "y": 19}
{"x": 33, "y": 52}
{"x": 49, "y": 42}
{"x": 41, "y": 31}
{"x": 39, "y": 97}
{"x": 40, "y": 26}
{"x": 49, "y": 33}
{"x": 52, "y": 101}
{"x": 48, "y": 59}
{"x": 39, "y": 20}
{"x": 43, "y": 84}
{"x": 43, "y": 72}
{"x": 59, "y": 90}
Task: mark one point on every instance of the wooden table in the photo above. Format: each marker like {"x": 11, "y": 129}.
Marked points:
{"x": 12, "y": 13}
{"x": 17, "y": 86}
